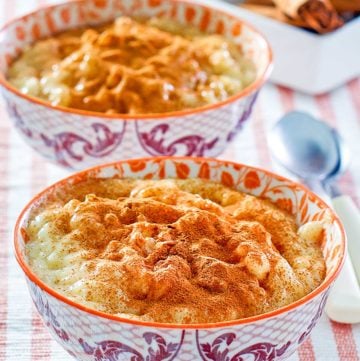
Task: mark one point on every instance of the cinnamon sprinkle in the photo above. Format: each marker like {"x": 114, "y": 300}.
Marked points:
{"x": 174, "y": 251}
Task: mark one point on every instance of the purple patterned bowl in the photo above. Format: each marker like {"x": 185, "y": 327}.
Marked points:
{"x": 92, "y": 335}
{"x": 78, "y": 139}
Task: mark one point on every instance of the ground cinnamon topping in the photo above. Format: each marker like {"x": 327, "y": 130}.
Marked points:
{"x": 175, "y": 251}
{"x": 127, "y": 67}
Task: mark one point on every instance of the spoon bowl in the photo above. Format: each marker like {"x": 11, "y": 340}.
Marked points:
{"x": 305, "y": 146}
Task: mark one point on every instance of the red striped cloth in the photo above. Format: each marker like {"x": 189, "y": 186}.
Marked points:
{"x": 22, "y": 174}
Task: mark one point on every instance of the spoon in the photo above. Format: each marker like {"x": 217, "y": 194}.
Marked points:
{"x": 316, "y": 153}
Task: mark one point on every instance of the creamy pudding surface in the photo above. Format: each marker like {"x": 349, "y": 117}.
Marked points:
{"x": 172, "y": 251}
{"x": 133, "y": 66}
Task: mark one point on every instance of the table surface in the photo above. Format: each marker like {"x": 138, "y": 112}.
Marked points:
{"x": 22, "y": 174}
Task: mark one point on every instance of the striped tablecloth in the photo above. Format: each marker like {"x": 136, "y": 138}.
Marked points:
{"x": 22, "y": 174}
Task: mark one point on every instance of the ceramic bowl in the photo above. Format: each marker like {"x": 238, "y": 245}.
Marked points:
{"x": 78, "y": 139}
{"x": 92, "y": 335}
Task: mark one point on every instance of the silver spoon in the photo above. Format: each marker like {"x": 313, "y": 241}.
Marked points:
{"x": 316, "y": 153}
{"x": 305, "y": 146}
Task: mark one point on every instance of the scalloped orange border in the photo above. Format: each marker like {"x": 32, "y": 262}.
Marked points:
{"x": 154, "y": 116}
{"x": 248, "y": 320}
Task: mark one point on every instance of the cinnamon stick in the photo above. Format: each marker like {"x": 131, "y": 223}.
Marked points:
{"x": 274, "y": 13}
{"x": 320, "y": 15}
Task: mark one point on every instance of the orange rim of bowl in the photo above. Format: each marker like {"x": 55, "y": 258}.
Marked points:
{"x": 253, "y": 87}
{"x": 32, "y": 276}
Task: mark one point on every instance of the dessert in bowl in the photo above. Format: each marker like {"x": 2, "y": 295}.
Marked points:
{"x": 88, "y": 82}
{"x": 176, "y": 257}
{"x": 127, "y": 67}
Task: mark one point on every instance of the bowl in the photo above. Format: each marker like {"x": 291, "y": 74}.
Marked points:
{"x": 78, "y": 139}
{"x": 92, "y": 335}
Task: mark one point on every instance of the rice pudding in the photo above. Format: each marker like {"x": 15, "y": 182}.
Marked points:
{"x": 172, "y": 251}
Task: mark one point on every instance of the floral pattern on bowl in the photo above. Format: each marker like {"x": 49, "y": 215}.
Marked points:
{"x": 78, "y": 139}
{"x": 92, "y": 335}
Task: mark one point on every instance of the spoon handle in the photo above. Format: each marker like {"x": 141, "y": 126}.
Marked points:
{"x": 350, "y": 216}
{"x": 343, "y": 304}
{"x": 344, "y": 299}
